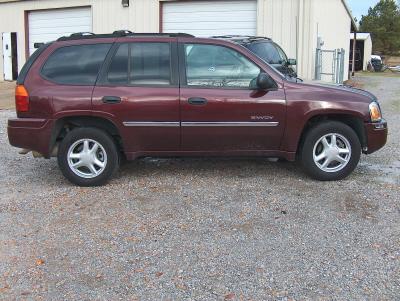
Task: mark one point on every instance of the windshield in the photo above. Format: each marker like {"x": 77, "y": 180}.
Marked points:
{"x": 269, "y": 52}
{"x": 282, "y": 54}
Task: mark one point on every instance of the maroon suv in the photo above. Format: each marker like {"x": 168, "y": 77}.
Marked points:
{"x": 92, "y": 99}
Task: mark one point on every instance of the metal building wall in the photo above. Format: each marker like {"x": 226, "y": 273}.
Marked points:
{"x": 367, "y": 52}
{"x": 333, "y": 24}
{"x": 278, "y": 20}
{"x": 294, "y": 25}
{"x": 289, "y": 23}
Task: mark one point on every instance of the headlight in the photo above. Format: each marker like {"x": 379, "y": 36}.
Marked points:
{"x": 375, "y": 112}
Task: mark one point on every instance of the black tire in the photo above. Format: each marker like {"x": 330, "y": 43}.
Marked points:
{"x": 104, "y": 140}
{"x": 311, "y": 139}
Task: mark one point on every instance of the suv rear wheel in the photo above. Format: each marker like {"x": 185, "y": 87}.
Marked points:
{"x": 331, "y": 151}
{"x": 88, "y": 156}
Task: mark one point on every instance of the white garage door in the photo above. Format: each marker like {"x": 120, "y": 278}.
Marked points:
{"x": 49, "y": 25}
{"x": 208, "y": 18}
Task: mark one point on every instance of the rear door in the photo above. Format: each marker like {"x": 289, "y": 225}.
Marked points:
{"x": 220, "y": 111}
{"x": 138, "y": 89}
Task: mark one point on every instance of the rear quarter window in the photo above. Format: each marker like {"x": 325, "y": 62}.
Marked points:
{"x": 75, "y": 65}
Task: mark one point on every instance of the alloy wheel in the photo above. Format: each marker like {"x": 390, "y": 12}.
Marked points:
{"x": 332, "y": 152}
{"x": 87, "y": 158}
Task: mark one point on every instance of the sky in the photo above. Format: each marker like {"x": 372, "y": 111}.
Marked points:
{"x": 360, "y": 7}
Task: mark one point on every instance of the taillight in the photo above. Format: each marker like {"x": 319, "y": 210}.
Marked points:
{"x": 21, "y": 99}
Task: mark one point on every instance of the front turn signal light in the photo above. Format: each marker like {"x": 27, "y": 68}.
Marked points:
{"x": 375, "y": 112}
{"x": 21, "y": 99}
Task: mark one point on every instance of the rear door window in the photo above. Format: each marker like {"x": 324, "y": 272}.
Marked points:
{"x": 118, "y": 70}
{"x": 75, "y": 65}
{"x": 141, "y": 64}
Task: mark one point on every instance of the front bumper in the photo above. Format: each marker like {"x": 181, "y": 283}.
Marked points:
{"x": 31, "y": 133}
{"x": 376, "y": 134}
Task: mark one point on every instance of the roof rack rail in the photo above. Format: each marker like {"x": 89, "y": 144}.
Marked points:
{"x": 120, "y": 33}
{"x": 241, "y": 37}
{"x": 163, "y": 34}
{"x": 123, "y": 32}
{"x": 81, "y": 34}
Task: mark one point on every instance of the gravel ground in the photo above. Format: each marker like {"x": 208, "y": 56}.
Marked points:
{"x": 203, "y": 229}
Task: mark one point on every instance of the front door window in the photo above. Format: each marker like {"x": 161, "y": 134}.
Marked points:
{"x": 218, "y": 66}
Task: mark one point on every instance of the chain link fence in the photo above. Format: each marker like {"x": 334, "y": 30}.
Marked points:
{"x": 329, "y": 65}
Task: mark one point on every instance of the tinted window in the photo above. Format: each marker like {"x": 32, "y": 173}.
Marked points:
{"x": 218, "y": 66}
{"x": 118, "y": 70}
{"x": 268, "y": 52}
{"x": 282, "y": 54}
{"x": 150, "y": 63}
{"x": 77, "y": 65}
{"x": 145, "y": 63}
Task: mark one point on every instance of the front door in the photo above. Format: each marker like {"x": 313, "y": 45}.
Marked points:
{"x": 220, "y": 108}
{"x": 138, "y": 90}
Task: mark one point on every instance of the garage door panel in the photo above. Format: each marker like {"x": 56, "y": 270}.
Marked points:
{"x": 70, "y": 22}
{"x": 61, "y": 13}
{"x": 57, "y": 30}
{"x": 213, "y": 25}
{"x": 213, "y": 32}
{"x": 207, "y": 18}
{"x": 219, "y": 17}
{"x": 49, "y": 25}
{"x": 220, "y": 5}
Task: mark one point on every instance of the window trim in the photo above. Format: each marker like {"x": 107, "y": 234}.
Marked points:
{"x": 182, "y": 68}
{"x": 174, "y": 82}
{"x": 74, "y": 45}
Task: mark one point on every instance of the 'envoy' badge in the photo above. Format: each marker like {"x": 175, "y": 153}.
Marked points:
{"x": 261, "y": 117}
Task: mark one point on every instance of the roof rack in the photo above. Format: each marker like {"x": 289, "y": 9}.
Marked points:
{"x": 123, "y": 32}
{"x": 241, "y": 37}
{"x": 120, "y": 33}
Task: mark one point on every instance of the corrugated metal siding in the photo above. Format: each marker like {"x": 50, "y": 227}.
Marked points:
{"x": 277, "y": 19}
{"x": 333, "y": 27}
{"x": 287, "y": 22}
{"x": 293, "y": 24}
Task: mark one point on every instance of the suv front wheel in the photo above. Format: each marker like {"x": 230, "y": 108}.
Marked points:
{"x": 331, "y": 151}
{"x": 88, "y": 156}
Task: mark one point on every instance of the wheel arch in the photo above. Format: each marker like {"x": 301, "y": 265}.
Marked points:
{"x": 353, "y": 121}
{"x": 67, "y": 123}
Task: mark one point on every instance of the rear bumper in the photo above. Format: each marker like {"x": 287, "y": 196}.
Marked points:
{"x": 376, "y": 135}
{"x": 30, "y": 133}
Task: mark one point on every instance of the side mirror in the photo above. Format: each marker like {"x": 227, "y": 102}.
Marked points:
{"x": 37, "y": 45}
{"x": 265, "y": 82}
{"x": 291, "y": 62}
